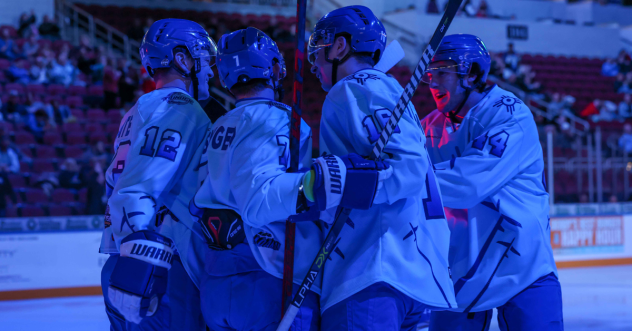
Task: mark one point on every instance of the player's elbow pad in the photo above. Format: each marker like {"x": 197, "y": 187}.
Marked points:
{"x": 143, "y": 265}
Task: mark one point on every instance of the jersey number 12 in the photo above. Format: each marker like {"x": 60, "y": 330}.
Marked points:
{"x": 167, "y": 147}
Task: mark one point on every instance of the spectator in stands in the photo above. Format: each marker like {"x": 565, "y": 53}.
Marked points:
{"x": 625, "y": 107}
{"x": 483, "y": 9}
{"x": 110, "y": 84}
{"x": 18, "y": 73}
{"x": 38, "y": 71}
{"x": 70, "y": 176}
{"x": 49, "y": 29}
{"x": 62, "y": 71}
{"x": 610, "y": 68}
{"x": 127, "y": 82}
{"x": 583, "y": 198}
{"x": 468, "y": 8}
{"x": 619, "y": 81}
{"x": 511, "y": 59}
{"x": 8, "y": 48}
{"x": 13, "y": 110}
{"x": 607, "y": 112}
{"x": 625, "y": 141}
{"x": 95, "y": 181}
{"x": 626, "y": 86}
{"x": 613, "y": 198}
{"x": 137, "y": 30}
{"x": 556, "y": 105}
{"x": 27, "y": 22}
{"x": 6, "y": 190}
{"x": 96, "y": 152}
{"x": 624, "y": 62}
{"x": 31, "y": 47}
{"x": 432, "y": 7}
{"x": 8, "y": 157}
{"x": 526, "y": 80}
{"x": 84, "y": 55}
{"x": 38, "y": 123}
{"x": 61, "y": 113}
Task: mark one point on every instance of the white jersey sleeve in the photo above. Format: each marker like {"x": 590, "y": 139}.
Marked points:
{"x": 156, "y": 141}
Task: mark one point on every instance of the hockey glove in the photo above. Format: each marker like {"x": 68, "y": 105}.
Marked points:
{"x": 349, "y": 181}
{"x": 223, "y": 228}
{"x": 139, "y": 278}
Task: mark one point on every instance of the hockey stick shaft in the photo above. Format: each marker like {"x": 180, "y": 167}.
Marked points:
{"x": 342, "y": 214}
{"x": 295, "y": 142}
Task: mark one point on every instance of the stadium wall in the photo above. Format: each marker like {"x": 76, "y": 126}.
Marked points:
{"x": 528, "y": 37}
{"x": 10, "y": 10}
{"x": 58, "y": 256}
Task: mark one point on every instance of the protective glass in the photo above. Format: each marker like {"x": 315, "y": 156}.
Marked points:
{"x": 439, "y": 72}
{"x": 312, "y": 47}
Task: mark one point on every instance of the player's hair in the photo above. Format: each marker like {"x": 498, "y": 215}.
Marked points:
{"x": 176, "y": 50}
{"x": 251, "y": 87}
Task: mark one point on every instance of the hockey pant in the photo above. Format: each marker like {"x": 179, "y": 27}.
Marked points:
{"x": 538, "y": 307}
{"x": 179, "y": 308}
{"x": 376, "y": 308}
{"x": 252, "y": 301}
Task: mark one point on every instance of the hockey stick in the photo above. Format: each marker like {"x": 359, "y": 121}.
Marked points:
{"x": 342, "y": 214}
{"x": 392, "y": 55}
{"x": 295, "y": 145}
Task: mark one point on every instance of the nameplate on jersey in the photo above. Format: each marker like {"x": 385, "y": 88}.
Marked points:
{"x": 178, "y": 98}
{"x": 222, "y": 137}
{"x": 149, "y": 251}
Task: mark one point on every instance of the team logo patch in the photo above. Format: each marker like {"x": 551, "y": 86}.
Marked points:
{"x": 362, "y": 77}
{"x": 178, "y": 98}
{"x": 509, "y": 102}
{"x": 264, "y": 239}
{"x": 107, "y": 221}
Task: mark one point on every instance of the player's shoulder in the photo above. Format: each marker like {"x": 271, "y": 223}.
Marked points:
{"x": 170, "y": 104}
{"x": 266, "y": 111}
{"x": 365, "y": 82}
{"x": 500, "y": 105}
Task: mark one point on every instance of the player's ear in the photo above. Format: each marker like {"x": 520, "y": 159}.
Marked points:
{"x": 183, "y": 62}
{"x": 339, "y": 48}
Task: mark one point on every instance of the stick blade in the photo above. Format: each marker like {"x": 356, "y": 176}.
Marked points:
{"x": 392, "y": 55}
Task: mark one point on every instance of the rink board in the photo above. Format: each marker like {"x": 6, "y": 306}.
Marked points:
{"x": 50, "y": 257}
{"x": 58, "y": 256}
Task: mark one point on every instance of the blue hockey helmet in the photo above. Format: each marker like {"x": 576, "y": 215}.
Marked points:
{"x": 156, "y": 48}
{"x": 365, "y": 31}
{"x": 464, "y": 50}
{"x": 248, "y": 54}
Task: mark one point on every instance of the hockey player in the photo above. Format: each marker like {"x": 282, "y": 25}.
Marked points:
{"x": 487, "y": 157}
{"x": 247, "y": 181}
{"x": 391, "y": 261}
{"x": 147, "y": 286}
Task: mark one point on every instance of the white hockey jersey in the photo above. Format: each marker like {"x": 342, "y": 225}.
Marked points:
{"x": 248, "y": 157}
{"x": 157, "y": 149}
{"x": 403, "y": 239}
{"x": 491, "y": 172}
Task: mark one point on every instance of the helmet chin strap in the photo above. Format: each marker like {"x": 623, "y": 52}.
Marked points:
{"x": 452, "y": 115}
{"x": 193, "y": 75}
{"x": 335, "y": 63}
